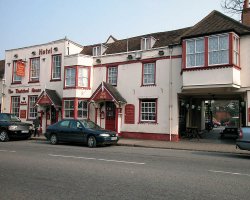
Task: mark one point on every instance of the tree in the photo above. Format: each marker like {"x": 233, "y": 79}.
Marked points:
{"x": 233, "y": 6}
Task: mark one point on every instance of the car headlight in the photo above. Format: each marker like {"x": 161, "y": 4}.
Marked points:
{"x": 104, "y": 135}
{"x": 31, "y": 127}
{"x": 12, "y": 127}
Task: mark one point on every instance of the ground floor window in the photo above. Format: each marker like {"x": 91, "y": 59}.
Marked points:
{"x": 148, "y": 110}
{"x": 15, "y": 105}
{"x": 68, "y": 108}
{"x": 32, "y": 110}
{"x": 82, "y": 109}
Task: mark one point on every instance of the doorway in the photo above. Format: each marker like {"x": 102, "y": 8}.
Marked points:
{"x": 110, "y": 116}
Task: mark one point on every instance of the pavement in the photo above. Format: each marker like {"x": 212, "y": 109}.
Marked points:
{"x": 208, "y": 145}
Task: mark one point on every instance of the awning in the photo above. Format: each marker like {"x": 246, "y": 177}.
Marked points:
{"x": 107, "y": 92}
{"x": 49, "y": 97}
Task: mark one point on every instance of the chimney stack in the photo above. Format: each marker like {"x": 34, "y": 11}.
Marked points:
{"x": 245, "y": 16}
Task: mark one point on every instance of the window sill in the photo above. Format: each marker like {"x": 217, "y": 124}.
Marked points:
{"x": 149, "y": 85}
{"x": 55, "y": 80}
{"x": 33, "y": 81}
{"x": 16, "y": 83}
{"x": 211, "y": 67}
{"x": 149, "y": 123}
{"x": 76, "y": 87}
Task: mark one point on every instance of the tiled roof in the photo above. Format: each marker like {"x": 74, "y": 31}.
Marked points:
{"x": 134, "y": 43}
{"x": 214, "y": 23}
{"x": 115, "y": 93}
{"x": 54, "y": 97}
{"x": 2, "y": 68}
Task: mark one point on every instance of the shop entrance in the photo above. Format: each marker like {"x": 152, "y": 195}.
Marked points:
{"x": 110, "y": 116}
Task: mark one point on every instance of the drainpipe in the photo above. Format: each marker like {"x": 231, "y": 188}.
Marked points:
{"x": 170, "y": 92}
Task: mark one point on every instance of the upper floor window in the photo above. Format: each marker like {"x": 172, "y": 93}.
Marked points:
{"x": 97, "y": 51}
{"x": 148, "y": 74}
{"x": 236, "y": 47}
{"x": 83, "y": 77}
{"x": 15, "y": 105}
{"x": 70, "y": 77}
{"x": 218, "y": 49}
{"x": 145, "y": 43}
{"x": 34, "y": 69}
{"x": 31, "y": 107}
{"x": 16, "y": 78}
{"x": 77, "y": 76}
{"x": 56, "y": 66}
{"x": 195, "y": 52}
{"x": 112, "y": 75}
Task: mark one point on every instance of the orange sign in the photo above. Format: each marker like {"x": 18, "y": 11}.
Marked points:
{"x": 20, "y": 69}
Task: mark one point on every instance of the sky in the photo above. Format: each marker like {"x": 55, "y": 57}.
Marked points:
{"x": 31, "y": 22}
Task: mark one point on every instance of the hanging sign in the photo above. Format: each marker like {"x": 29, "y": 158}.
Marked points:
{"x": 20, "y": 69}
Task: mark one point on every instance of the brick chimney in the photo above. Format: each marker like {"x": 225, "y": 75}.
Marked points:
{"x": 245, "y": 16}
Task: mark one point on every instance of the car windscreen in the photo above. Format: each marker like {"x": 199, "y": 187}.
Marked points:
{"x": 9, "y": 117}
{"x": 90, "y": 124}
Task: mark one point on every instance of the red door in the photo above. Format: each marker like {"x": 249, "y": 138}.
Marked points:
{"x": 110, "y": 116}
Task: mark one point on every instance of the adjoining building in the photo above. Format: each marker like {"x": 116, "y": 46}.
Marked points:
{"x": 151, "y": 86}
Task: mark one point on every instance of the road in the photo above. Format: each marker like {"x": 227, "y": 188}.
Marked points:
{"x": 37, "y": 170}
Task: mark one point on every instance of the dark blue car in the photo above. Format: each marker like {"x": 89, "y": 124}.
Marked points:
{"x": 83, "y": 131}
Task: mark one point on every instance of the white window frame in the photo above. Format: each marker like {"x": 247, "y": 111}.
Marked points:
{"x": 83, "y": 78}
{"x": 218, "y": 50}
{"x": 70, "y": 77}
{"x": 32, "y": 110}
{"x": 148, "y": 77}
{"x": 97, "y": 51}
{"x": 34, "y": 69}
{"x": 195, "y": 53}
{"x": 112, "y": 75}
{"x": 146, "y": 43}
{"x": 56, "y": 67}
{"x": 15, "y": 77}
{"x": 236, "y": 50}
{"x": 148, "y": 109}
{"x": 68, "y": 111}
{"x": 82, "y": 108}
{"x": 15, "y": 105}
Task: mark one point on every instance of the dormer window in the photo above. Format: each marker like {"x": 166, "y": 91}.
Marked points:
{"x": 97, "y": 51}
{"x": 146, "y": 43}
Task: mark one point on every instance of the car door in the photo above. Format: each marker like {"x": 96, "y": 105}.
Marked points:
{"x": 64, "y": 130}
{"x": 76, "y": 131}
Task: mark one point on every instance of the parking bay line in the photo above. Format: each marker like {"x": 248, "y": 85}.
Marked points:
{"x": 7, "y": 151}
{"x": 231, "y": 173}
{"x": 99, "y": 159}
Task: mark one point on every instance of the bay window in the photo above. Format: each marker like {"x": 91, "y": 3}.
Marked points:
{"x": 218, "y": 49}
{"x": 236, "y": 50}
{"x": 195, "y": 52}
{"x": 82, "y": 109}
{"x": 83, "y": 77}
{"x": 34, "y": 69}
{"x": 70, "y": 77}
{"x": 68, "y": 108}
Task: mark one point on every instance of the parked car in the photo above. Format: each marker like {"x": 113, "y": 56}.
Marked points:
{"x": 243, "y": 142}
{"x": 12, "y": 127}
{"x": 83, "y": 131}
{"x": 232, "y": 132}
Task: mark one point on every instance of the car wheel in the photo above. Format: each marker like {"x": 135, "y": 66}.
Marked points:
{"x": 4, "y": 136}
{"x": 91, "y": 142}
{"x": 53, "y": 139}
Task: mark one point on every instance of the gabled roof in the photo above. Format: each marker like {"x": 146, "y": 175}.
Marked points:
{"x": 107, "y": 92}
{"x": 49, "y": 97}
{"x": 2, "y": 68}
{"x": 214, "y": 23}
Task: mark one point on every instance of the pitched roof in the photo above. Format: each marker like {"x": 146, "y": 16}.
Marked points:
{"x": 134, "y": 43}
{"x": 113, "y": 93}
{"x": 49, "y": 97}
{"x": 2, "y": 68}
{"x": 214, "y": 23}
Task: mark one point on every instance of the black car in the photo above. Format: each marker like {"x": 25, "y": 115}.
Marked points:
{"x": 12, "y": 127}
{"x": 83, "y": 131}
